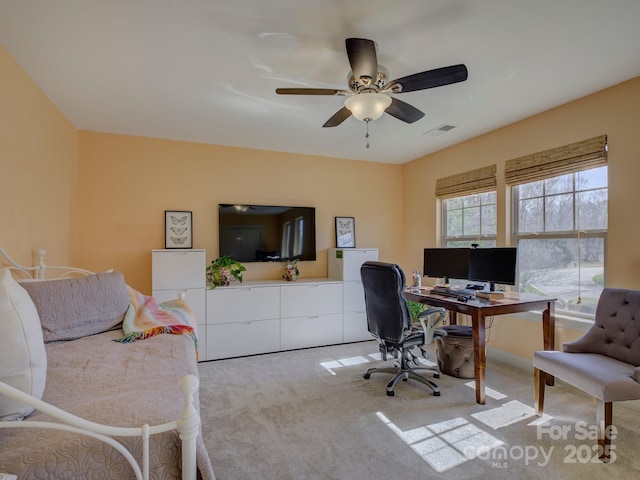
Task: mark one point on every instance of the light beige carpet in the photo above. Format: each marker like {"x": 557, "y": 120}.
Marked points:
{"x": 309, "y": 414}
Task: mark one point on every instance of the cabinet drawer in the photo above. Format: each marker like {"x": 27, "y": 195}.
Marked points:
{"x": 244, "y": 338}
{"x": 178, "y": 269}
{"x": 353, "y": 297}
{"x": 311, "y": 299}
{"x": 195, "y": 297}
{"x": 355, "y": 327}
{"x": 344, "y": 264}
{"x": 353, "y": 260}
{"x": 242, "y": 304}
{"x": 311, "y": 331}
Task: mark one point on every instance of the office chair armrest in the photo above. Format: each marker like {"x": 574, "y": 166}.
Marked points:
{"x": 431, "y": 311}
{"x": 430, "y": 329}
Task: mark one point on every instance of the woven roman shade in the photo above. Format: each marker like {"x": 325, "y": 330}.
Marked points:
{"x": 467, "y": 183}
{"x": 557, "y": 161}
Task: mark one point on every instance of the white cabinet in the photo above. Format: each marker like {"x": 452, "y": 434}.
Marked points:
{"x": 344, "y": 264}
{"x": 182, "y": 271}
{"x": 311, "y": 315}
{"x": 260, "y": 317}
{"x": 242, "y": 320}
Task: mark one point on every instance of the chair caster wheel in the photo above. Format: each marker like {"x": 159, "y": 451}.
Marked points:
{"x": 391, "y": 393}
{"x": 436, "y": 375}
{"x": 366, "y": 376}
{"x": 436, "y": 394}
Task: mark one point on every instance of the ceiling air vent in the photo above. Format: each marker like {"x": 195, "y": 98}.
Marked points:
{"x": 435, "y": 132}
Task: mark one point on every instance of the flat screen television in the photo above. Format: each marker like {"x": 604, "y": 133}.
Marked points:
{"x": 267, "y": 233}
{"x": 446, "y": 263}
{"x": 493, "y": 265}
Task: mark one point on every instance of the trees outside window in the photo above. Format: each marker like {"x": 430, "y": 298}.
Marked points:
{"x": 469, "y": 219}
{"x": 560, "y": 229}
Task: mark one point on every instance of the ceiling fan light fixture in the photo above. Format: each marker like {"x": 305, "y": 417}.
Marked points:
{"x": 368, "y": 107}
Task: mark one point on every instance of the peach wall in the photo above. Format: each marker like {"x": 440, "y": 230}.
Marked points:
{"x": 128, "y": 182}
{"x": 39, "y": 170}
{"x": 614, "y": 112}
{"x": 97, "y": 200}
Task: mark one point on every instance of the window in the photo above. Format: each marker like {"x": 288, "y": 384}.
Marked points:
{"x": 560, "y": 228}
{"x": 298, "y": 237}
{"x": 469, "y": 219}
{"x": 286, "y": 236}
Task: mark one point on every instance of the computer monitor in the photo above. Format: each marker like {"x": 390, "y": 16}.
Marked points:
{"x": 446, "y": 263}
{"x": 493, "y": 265}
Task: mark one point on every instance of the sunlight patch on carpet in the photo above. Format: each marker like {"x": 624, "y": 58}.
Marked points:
{"x": 506, "y": 414}
{"x": 333, "y": 365}
{"x": 445, "y": 445}
{"x": 489, "y": 392}
{"x": 330, "y": 366}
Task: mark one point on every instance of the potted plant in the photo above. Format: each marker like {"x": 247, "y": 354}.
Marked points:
{"x": 223, "y": 270}
{"x": 415, "y": 308}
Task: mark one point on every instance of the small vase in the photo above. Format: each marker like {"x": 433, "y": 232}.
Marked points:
{"x": 290, "y": 274}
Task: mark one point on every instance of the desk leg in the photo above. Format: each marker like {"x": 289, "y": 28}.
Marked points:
{"x": 479, "y": 354}
{"x": 453, "y": 318}
{"x": 549, "y": 332}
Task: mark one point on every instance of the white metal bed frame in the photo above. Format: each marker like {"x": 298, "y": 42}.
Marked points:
{"x": 187, "y": 424}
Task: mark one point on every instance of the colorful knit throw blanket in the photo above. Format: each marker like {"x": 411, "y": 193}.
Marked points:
{"x": 146, "y": 318}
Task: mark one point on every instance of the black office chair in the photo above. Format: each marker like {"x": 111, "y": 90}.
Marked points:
{"x": 389, "y": 321}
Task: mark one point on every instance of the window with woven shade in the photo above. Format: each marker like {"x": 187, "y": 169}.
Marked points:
{"x": 468, "y": 208}
{"x": 560, "y": 217}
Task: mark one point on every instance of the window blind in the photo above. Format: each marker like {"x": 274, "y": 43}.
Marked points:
{"x": 467, "y": 183}
{"x": 557, "y": 161}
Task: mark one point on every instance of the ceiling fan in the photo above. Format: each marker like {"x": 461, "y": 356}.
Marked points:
{"x": 369, "y": 87}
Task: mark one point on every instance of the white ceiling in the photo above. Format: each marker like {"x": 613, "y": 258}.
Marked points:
{"x": 206, "y": 70}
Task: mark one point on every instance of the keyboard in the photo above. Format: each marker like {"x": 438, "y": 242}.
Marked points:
{"x": 455, "y": 292}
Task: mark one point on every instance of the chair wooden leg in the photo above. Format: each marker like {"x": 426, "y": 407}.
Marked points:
{"x": 604, "y": 420}
{"x": 539, "y": 380}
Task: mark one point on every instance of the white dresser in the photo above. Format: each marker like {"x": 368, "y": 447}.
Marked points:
{"x": 344, "y": 265}
{"x": 176, "y": 271}
{"x": 272, "y": 315}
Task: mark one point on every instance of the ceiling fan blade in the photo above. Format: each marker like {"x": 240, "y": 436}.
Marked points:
{"x": 310, "y": 91}
{"x": 362, "y": 57}
{"x": 429, "y": 79}
{"x": 403, "y": 111}
{"x": 338, "y": 117}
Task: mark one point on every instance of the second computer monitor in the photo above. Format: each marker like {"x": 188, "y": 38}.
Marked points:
{"x": 493, "y": 265}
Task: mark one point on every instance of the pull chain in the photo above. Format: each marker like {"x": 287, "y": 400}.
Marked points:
{"x": 367, "y": 135}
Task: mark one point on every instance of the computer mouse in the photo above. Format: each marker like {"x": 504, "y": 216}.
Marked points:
{"x": 462, "y": 298}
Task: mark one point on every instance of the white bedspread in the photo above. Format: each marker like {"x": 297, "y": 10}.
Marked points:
{"x": 124, "y": 385}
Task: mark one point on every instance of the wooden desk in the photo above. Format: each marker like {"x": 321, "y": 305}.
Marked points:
{"x": 479, "y": 309}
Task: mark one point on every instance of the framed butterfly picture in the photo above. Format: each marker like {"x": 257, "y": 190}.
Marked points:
{"x": 178, "y": 229}
{"x": 345, "y": 232}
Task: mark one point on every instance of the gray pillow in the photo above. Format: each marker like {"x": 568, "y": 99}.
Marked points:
{"x": 71, "y": 308}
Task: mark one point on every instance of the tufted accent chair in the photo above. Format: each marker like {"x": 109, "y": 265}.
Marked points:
{"x": 604, "y": 362}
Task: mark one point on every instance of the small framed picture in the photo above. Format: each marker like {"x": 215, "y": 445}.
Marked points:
{"x": 178, "y": 229}
{"x": 345, "y": 232}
